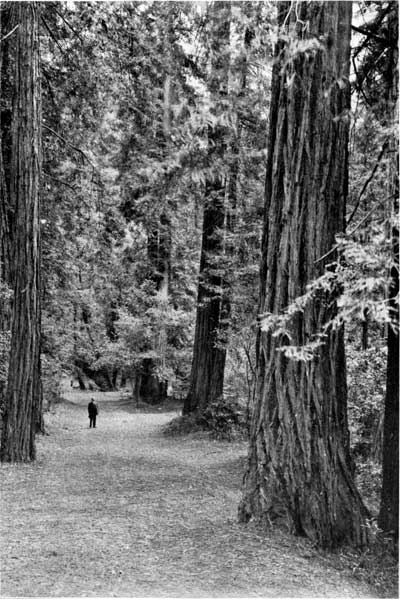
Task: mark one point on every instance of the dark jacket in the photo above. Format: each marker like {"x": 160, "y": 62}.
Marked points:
{"x": 92, "y": 409}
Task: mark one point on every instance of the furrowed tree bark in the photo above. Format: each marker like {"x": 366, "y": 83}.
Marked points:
{"x": 22, "y": 414}
{"x": 299, "y": 467}
{"x": 213, "y": 306}
{"x": 6, "y": 213}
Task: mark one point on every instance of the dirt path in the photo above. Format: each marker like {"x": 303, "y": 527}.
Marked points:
{"x": 121, "y": 511}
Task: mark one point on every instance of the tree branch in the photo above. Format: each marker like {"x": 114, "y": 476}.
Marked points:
{"x": 367, "y": 182}
{"x": 351, "y": 233}
{"x": 369, "y": 34}
{"x": 52, "y": 35}
{"x": 376, "y": 205}
{"x": 9, "y": 33}
{"x": 68, "y": 24}
{"x": 246, "y": 351}
{"x": 59, "y": 181}
{"x": 70, "y": 145}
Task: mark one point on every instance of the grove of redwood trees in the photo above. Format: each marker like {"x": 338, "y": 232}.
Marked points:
{"x": 299, "y": 465}
{"x": 184, "y": 152}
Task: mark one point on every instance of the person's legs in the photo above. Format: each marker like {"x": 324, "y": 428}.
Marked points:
{"x": 90, "y": 421}
{"x": 94, "y": 421}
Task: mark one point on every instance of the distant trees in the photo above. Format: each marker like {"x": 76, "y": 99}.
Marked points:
{"x": 299, "y": 466}
{"x": 375, "y": 215}
{"x": 127, "y": 117}
{"x": 157, "y": 197}
{"x": 22, "y": 409}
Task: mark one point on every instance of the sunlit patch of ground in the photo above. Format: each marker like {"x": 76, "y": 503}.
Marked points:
{"x": 122, "y": 511}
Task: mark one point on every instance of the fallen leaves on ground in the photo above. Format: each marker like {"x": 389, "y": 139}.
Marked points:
{"x": 123, "y": 511}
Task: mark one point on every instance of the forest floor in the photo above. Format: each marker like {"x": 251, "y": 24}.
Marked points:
{"x": 123, "y": 511}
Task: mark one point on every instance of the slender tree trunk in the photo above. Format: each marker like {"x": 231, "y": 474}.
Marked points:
{"x": 365, "y": 330}
{"x": 389, "y": 509}
{"x": 213, "y": 306}
{"x": 23, "y": 396}
{"x": 299, "y": 467}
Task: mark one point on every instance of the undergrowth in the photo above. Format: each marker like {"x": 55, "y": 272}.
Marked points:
{"x": 376, "y": 565}
{"x": 222, "y": 419}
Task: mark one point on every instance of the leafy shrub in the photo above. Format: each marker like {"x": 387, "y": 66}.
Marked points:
{"x": 182, "y": 425}
{"x": 224, "y": 417}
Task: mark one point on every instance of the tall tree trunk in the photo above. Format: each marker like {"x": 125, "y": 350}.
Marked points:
{"x": 6, "y": 213}
{"x": 153, "y": 384}
{"x": 152, "y": 387}
{"x": 389, "y": 509}
{"x": 299, "y": 465}
{"x": 213, "y": 306}
{"x": 23, "y": 396}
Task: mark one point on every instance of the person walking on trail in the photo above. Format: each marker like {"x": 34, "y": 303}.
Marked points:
{"x": 93, "y": 411}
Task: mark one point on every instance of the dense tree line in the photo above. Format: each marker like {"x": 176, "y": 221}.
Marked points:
{"x": 198, "y": 201}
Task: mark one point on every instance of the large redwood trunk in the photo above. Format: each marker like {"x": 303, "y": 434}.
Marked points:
{"x": 213, "y": 306}
{"x": 23, "y": 396}
{"x": 299, "y": 466}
